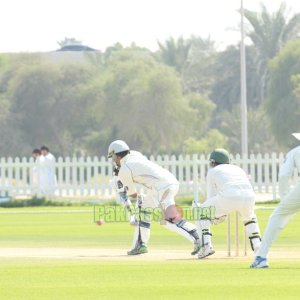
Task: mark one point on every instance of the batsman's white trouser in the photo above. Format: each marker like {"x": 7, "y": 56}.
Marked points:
{"x": 153, "y": 199}
{"x": 162, "y": 198}
{"x": 284, "y": 212}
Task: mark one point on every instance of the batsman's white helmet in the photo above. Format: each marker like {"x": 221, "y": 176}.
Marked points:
{"x": 117, "y": 147}
{"x": 296, "y": 135}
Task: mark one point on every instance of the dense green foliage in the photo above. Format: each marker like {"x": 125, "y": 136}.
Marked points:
{"x": 184, "y": 98}
{"x": 283, "y": 101}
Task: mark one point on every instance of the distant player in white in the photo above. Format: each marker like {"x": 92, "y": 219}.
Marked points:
{"x": 37, "y": 182}
{"x": 49, "y": 177}
{"x": 287, "y": 208}
{"x": 228, "y": 190}
{"x": 161, "y": 187}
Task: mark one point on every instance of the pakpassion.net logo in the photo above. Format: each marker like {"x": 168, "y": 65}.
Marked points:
{"x": 119, "y": 213}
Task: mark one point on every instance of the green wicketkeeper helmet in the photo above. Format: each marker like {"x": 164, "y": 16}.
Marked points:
{"x": 220, "y": 156}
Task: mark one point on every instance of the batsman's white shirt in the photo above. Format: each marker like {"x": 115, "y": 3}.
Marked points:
{"x": 291, "y": 161}
{"x": 229, "y": 189}
{"x": 137, "y": 169}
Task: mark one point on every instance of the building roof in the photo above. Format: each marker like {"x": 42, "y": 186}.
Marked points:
{"x": 76, "y": 48}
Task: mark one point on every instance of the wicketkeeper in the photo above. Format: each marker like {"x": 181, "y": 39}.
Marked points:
{"x": 228, "y": 190}
{"x": 287, "y": 208}
{"x": 161, "y": 186}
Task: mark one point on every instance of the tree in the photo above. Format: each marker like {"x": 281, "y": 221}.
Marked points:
{"x": 46, "y": 103}
{"x": 260, "y": 137}
{"x": 214, "y": 139}
{"x": 174, "y": 53}
{"x": 142, "y": 104}
{"x": 226, "y": 90}
{"x": 6, "y": 130}
{"x": 198, "y": 71}
{"x": 202, "y": 113}
{"x": 4, "y": 104}
{"x": 271, "y": 31}
{"x": 282, "y": 104}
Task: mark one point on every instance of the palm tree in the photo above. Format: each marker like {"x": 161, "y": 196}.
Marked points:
{"x": 192, "y": 58}
{"x": 270, "y": 32}
{"x": 197, "y": 73}
{"x": 225, "y": 91}
{"x": 175, "y": 52}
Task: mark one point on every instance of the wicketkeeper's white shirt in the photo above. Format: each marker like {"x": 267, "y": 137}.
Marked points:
{"x": 137, "y": 169}
{"x": 228, "y": 181}
{"x": 291, "y": 161}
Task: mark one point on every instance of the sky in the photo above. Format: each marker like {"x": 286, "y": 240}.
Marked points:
{"x": 38, "y": 25}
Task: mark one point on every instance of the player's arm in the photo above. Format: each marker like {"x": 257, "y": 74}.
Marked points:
{"x": 297, "y": 160}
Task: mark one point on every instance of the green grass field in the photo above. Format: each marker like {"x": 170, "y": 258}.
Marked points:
{"x": 116, "y": 276}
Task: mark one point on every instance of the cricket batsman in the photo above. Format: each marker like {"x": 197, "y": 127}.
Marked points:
{"x": 161, "y": 186}
{"x": 287, "y": 208}
{"x": 228, "y": 190}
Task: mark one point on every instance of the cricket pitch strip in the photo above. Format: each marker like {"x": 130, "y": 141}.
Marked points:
{"x": 120, "y": 254}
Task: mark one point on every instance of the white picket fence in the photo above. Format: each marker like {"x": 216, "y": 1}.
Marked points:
{"x": 89, "y": 176}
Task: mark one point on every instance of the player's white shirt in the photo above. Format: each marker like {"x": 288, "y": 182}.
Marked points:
{"x": 291, "y": 161}
{"x": 50, "y": 161}
{"x": 37, "y": 171}
{"x": 137, "y": 169}
{"x": 228, "y": 181}
{"x": 48, "y": 179}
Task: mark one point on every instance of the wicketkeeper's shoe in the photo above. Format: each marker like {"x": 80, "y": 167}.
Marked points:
{"x": 259, "y": 263}
{"x": 206, "y": 251}
{"x": 139, "y": 249}
{"x": 197, "y": 247}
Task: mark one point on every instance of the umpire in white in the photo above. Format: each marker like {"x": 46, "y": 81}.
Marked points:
{"x": 161, "y": 187}
{"x": 287, "y": 208}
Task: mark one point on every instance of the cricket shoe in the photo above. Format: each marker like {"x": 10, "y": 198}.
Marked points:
{"x": 206, "y": 251}
{"x": 197, "y": 247}
{"x": 259, "y": 263}
{"x": 139, "y": 249}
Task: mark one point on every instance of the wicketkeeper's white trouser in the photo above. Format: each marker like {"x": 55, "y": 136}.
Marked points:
{"x": 284, "y": 212}
{"x": 223, "y": 206}
{"x": 226, "y": 205}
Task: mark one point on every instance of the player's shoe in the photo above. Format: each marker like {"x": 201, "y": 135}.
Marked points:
{"x": 139, "y": 249}
{"x": 197, "y": 247}
{"x": 259, "y": 263}
{"x": 206, "y": 251}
